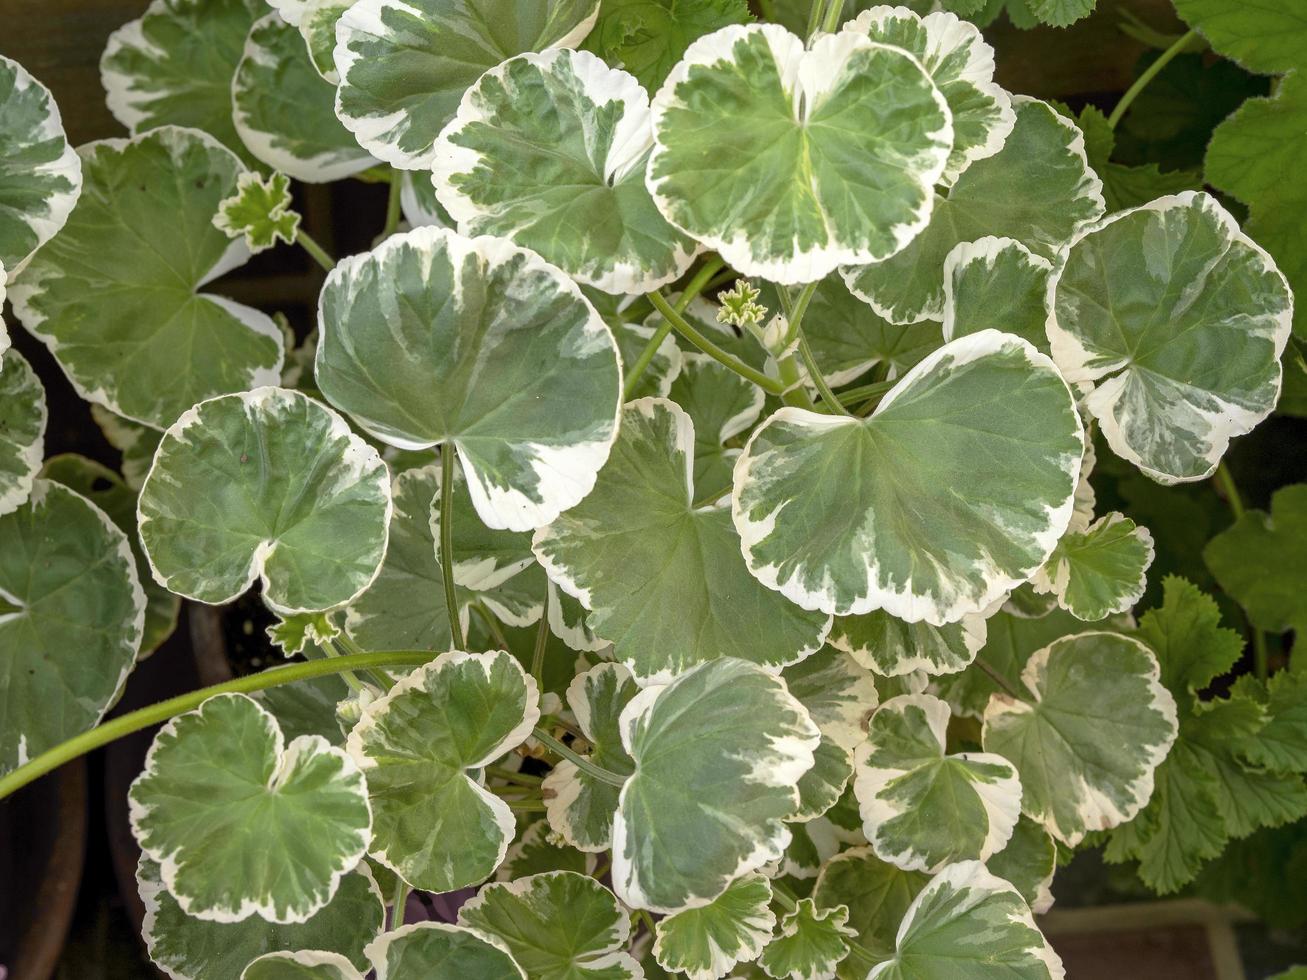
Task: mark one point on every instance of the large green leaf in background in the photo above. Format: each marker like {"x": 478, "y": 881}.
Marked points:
{"x": 219, "y": 783}
{"x": 419, "y": 745}
{"x": 436, "y": 338}
{"x": 405, "y": 64}
{"x": 1179, "y": 319}
{"x": 1086, "y": 743}
{"x": 268, "y": 485}
{"x": 71, "y": 619}
{"x": 922, "y": 808}
{"x": 718, "y": 754}
{"x": 663, "y": 579}
{"x": 283, "y": 110}
{"x": 174, "y": 65}
{"x": 557, "y": 926}
{"x": 648, "y": 37}
{"x": 23, "y": 419}
{"x": 1037, "y": 190}
{"x": 40, "y": 174}
{"x": 550, "y": 150}
{"x": 1261, "y": 562}
{"x": 968, "y": 923}
{"x": 953, "y": 491}
{"x": 961, "y": 65}
{"x": 707, "y": 941}
{"x": 790, "y": 162}
{"x": 186, "y": 948}
{"x": 1265, "y": 36}
{"x": 115, "y": 295}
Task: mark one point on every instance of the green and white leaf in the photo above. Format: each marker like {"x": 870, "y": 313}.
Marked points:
{"x": 300, "y": 632}
{"x": 266, "y": 485}
{"x": 705, "y": 942}
{"x": 23, "y": 418}
{"x": 260, "y": 212}
{"x": 173, "y": 66}
{"x": 722, "y": 405}
{"x": 436, "y": 949}
{"x": 316, "y": 20}
{"x": 921, "y": 807}
{"x": 535, "y": 851}
{"x": 134, "y": 441}
{"x": 967, "y": 922}
{"x": 821, "y": 787}
{"x": 580, "y": 807}
{"x": 570, "y": 622}
{"x": 405, "y": 64}
{"x": 1099, "y": 571}
{"x": 663, "y": 579}
{"x": 849, "y": 515}
{"x": 1179, "y": 320}
{"x": 417, "y": 201}
{"x": 436, "y": 338}
{"x": 1086, "y": 744}
{"x": 876, "y": 894}
{"x": 838, "y": 693}
{"x": 525, "y": 916}
{"x": 309, "y": 964}
{"x": 284, "y": 110}
{"x": 187, "y": 948}
{"x": 435, "y": 825}
{"x": 790, "y": 162}
{"x": 810, "y": 945}
{"x": 106, "y": 489}
{"x": 1028, "y": 863}
{"x": 1038, "y": 190}
{"x": 119, "y": 285}
{"x": 718, "y": 753}
{"x": 996, "y": 283}
{"x": 961, "y": 65}
{"x": 40, "y": 174}
{"x": 550, "y": 151}
{"x": 893, "y": 647}
{"x": 663, "y": 368}
{"x": 71, "y": 619}
{"x": 221, "y": 779}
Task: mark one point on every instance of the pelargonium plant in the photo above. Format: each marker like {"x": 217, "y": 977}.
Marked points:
{"x": 682, "y": 534}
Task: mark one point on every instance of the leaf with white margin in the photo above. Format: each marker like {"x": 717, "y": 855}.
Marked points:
{"x": 265, "y": 485}
{"x": 664, "y": 580}
{"x": 580, "y": 807}
{"x": 173, "y": 66}
{"x": 810, "y": 945}
{"x": 953, "y": 491}
{"x": 71, "y": 618}
{"x": 550, "y": 151}
{"x": 1028, "y": 862}
{"x": 405, "y": 64}
{"x": 921, "y": 807}
{"x": 40, "y": 174}
{"x": 526, "y": 918}
{"x": 134, "y": 441}
{"x": 892, "y": 647}
{"x": 186, "y": 948}
{"x": 961, "y": 65}
{"x": 723, "y": 405}
{"x": 706, "y": 942}
{"x": 222, "y": 777}
{"x": 1038, "y": 189}
{"x": 23, "y": 418}
{"x": 534, "y": 852}
{"x": 570, "y": 622}
{"x": 876, "y": 895}
{"x": 115, "y": 295}
{"x": 436, "y": 338}
{"x": 821, "y": 787}
{"x": 433, "y": 824}
{"x": 316, "y": 21}
{"x": 309, "y": 964}
{"x": 436, "y": 949}
{"x": 417, "y": 200}
{"x": 967, "y": 922}
{"x": 1086, "y": 745}
{"x": 790, "y": 162}
{"x": 1179, "y": 319}
{"x": 284, "y": 110}
{"x": 260, "y": 212}
{"x": 1099, "y": 571}
{"x": 996, "y": 283}
{"x": 838, "y": 693}
{"x": 717, "y": 754}
{"x": 663, "y": 368}
{"x": 106, "y": 489}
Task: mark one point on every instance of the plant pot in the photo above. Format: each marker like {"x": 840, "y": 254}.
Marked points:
{"x": 44, "y": 831}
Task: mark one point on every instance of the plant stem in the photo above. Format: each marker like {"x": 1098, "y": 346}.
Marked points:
{"x": 524, "y": 806}
{"x": 348, "y": 646}
{"x": 648, "y": 921}
{"x": 542, "y": 638}
{"x": 721, "y": 279}
{"x": 815, "y": 16}
{"x": 580, "y": 761}
{"x": 350, "y": 678}
{"x": 1147, "y": 76}
{"x": 876, "y": 389}
{"x": 645, "y": 359}
{"x": 448, "y": 454}
{"x": 523, "y": 778}
{"x": 392, "y": 208}
{"x": 1230, "y": 490}
{"x": 712, "y": 350}
{"x": 997, "y": 678}
{"x": 305, "y": 241}
{"x": 814, "y": 372}
{"x": 134, "y": 721}
{"x": 832, "y": 19}
{"x": 398, "y": 902}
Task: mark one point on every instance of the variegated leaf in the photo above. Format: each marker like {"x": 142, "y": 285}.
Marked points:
{"x": 705, "y": 942}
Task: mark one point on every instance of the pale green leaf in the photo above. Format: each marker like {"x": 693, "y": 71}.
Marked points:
{"x": 996, "y": 283}
{"x": 294, "y": 632}
{"x": 723, "y": 406}
{"x": 436, "y": 949}
{"x": 1100, "y": 570}
{"x": 811, "y": 943}
{"x": 893, "y": 647}
{"x": 535, "y": 851}
{"x": 648, "y": 37}
{"x": 704, "y": 943}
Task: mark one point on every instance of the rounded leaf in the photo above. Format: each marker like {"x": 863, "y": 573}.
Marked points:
{"x": 876, "y": 895}
{"x": 892, "y": 647}
{"x": 996, "y": 283}
{"x": 1100, "y": 570}
{"x": 23, "y": 418}
{"x": 706, "y": 942}
{"x": 436, "y": 949}
{"x": 308, "y": 964}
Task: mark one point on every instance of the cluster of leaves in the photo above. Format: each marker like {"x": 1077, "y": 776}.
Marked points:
{"x": 765, "y": 630}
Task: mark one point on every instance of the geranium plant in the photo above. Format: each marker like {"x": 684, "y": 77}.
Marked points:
{"x": 682, "y": 522}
